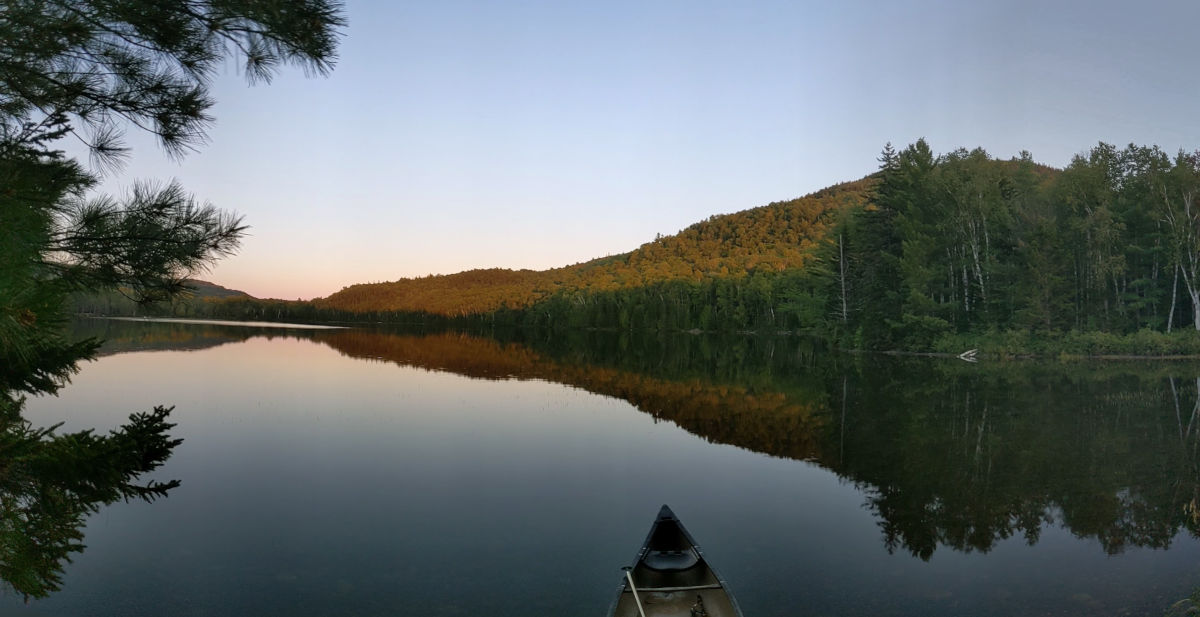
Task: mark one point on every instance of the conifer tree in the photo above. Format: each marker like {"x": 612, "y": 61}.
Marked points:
{"x": 89, "y": 70}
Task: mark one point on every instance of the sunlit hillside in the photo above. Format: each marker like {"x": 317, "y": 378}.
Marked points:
{"x": 775, "y": 237}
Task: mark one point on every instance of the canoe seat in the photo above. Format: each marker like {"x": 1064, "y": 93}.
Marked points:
{"x": 671, "y": 560}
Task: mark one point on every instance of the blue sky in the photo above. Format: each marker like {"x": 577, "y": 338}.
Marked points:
{"x": 459, "y": 135}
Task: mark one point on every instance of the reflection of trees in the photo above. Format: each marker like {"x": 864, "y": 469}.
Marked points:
{"x": 1189, "y": 443}
{"x": 738, "y": 414}
{"x": 950, "y": 454}
{"x": 968, "y": 457}
{"x": 50, "y": 483}
{"x": 121, "y": 336}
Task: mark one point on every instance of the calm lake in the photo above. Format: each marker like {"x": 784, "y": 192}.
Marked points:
{"x": 361, "y": 472}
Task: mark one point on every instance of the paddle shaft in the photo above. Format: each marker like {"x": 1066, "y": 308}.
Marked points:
{"x": 636, "y": 599}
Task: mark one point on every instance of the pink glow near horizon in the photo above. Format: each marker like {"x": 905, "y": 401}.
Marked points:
{"x": 454, "y": 136}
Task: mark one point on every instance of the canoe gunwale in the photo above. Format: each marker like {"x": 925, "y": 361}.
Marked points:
{"x": 665, "y": 514}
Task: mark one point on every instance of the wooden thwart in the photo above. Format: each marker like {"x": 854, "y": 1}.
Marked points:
{"x": 689, "y": 588}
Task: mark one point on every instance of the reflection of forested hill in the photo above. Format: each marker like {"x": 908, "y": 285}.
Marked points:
{"x": 122, "y": 336}
{"x": 731, "y": 414}
{"x": 950, "y": 454}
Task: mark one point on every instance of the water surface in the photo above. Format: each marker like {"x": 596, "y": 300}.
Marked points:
{"x": 351, "y": 472}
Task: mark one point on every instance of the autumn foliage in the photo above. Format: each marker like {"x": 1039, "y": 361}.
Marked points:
{"x": 773, "y": 238}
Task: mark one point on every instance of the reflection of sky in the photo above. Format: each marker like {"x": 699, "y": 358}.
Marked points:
{"x": 317, "y": 484}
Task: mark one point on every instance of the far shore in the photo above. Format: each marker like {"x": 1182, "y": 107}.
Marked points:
{"x": 224, "y": 322}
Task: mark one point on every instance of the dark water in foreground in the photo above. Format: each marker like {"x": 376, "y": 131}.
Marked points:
{"x": 345, "y": 472}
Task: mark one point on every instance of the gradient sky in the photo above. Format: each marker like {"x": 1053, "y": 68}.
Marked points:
{"x": 458, "y": 135}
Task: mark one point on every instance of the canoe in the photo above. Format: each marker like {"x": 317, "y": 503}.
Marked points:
{"x": 671, "y": 578}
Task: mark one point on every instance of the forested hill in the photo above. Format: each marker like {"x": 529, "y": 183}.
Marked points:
{"x": 942, "y": 252}
{"x": 773, "y": 238}
{"x": 205, "y": 289}
{"x": 120, "y": 302}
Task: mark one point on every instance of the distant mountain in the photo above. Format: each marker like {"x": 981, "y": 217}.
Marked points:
{"x": 205, "y": 289}
{"x": 115, "y": 303}
{"x": 775, "y": 237}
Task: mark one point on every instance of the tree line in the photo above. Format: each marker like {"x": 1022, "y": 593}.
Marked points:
{"x": 930, "y": 252}
{"x": 964, "y": 243}
{"x": 778, "y": 237}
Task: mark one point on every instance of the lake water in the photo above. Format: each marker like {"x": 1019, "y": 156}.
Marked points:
{"x": 354, "y": 472}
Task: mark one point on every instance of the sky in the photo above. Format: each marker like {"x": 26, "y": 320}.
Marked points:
{"x": 459, "y": 135}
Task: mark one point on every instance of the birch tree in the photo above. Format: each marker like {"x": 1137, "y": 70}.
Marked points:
{"x": 970, "y": 188}
{"x": 1086, "y": 190}
{"x": 1178, "y": 189}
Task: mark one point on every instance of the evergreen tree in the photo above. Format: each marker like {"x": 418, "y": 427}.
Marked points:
{"x": 875, "y": 253}
{"x": 89, "y": 69}
{"x": 82, "y": 68}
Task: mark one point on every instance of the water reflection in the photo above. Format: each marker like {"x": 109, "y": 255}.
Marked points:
{"x": 977, "y": 456}
{"x": 304, "y": 467}
{"x": 950, "y": 454}
{"x": 129, "y": 335}
{"x": 50, "y": 483}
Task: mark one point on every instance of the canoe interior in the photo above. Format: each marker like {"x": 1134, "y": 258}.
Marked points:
{"x": 677, "y": 604}
{"x": 672, "y": 577}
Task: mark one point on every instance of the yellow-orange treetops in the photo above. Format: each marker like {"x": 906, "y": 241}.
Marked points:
{"x": 776, "y": 237}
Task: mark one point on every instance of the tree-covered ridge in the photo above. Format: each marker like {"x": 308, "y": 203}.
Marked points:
{"x": 473, "y": 291}
{"x": 776, "y": 237}
{"x": 933, "y": 252}
{"x": 773, "y": 238}
{"x": 205, "y": 289}
{"x": 120, "y": 301}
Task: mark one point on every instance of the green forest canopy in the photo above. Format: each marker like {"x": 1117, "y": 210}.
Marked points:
{"x": 928, "y": 248}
